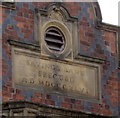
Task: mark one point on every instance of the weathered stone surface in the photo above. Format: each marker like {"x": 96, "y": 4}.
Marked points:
{"x": 73, "y": 79}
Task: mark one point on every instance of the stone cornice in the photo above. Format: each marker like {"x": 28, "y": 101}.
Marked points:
{"x": 46, "y": 109}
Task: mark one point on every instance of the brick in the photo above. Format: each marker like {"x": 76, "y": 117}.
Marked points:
{"x": 1, "y": 14}
{"x": 10, "y": 27}
{"x": 26, "y": 26}
{"x": 110, "y": 38}
{"x": 19, "y": 97}
{"x": 36, "y": 94}
{"x": 26, "y": 31}
{"x": 73, "y": 8}
{"x": 11, "y": 90}
{"x": 77, "y": 102}
{"x": 4, "y": 15}
{"x": 36, "y": 99}
{"x": 73, "y": 101}
{"x": 90, "y": 35}
{"x": 84, "y": 19}
{"x": 26, "y": 5}
{"x": 41, "y": 4}
{"x": 49, "y": 102}
{"x": 11, "y": 99}
{"x": 7, "y": 94}
{"x": 84, "y": 23}
{"x": 48, "y": 97}
{"x": 26, "y": 15}
{"x": 43, "y": 101}
{"x": 91, "y": 13}
{"x": 30, "y": 21}
{"x": 43, "y": 95}
{"x": 85, "y": 48}
{"x": 107, "y": 107}
{"x": 114, "y": 83}
{"x": 95, "y": 110}
{"x": 67, "y": 100}
{"x": 18, "y": 91}
{"x": 8, "y": 84}
{"x": 67, "y": 105}
{"x": 11, "y": 32}
{"x": 24, "y": 10}
{"x": 114, "y": 100}
{"x": 20, "y": 24}
{"x": 5, "y": 88}
{"x": 27, "y": 35}
{"x": 8, "y": 49}
{"x": 85, "y": 43}
{"x": 98, "y": 50}
{"x": 4, "y": 36}
{"x": 31, "y": 26}
{"x": 14, "y": 37}
{"x": 78, "y": 107}
{"x": 107, "y": 112}
{"x": 20, "y": 19}
{"x": 30, "y": 11}
{"x": 5, "y": 99}
{"x": 31, "y": 16}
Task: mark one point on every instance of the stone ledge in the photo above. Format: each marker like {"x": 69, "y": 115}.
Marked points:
{"x": 21, "y": 44}
{"x": 45, "y": 110}
{"x": 36, "y": 47}
{"x": 8, "y": 5}
{"x": 91, "y": 59}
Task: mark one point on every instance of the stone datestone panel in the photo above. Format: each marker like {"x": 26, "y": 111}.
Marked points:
{"x": 72, "y": 79}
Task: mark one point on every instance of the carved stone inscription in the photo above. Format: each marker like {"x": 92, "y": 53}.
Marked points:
{"x": 52, "y": 76}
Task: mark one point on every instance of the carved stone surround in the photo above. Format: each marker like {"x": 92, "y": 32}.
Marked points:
{"x": 55, "y": 15}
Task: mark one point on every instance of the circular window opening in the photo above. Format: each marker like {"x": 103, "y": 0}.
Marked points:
{"x": 55, "y": 39}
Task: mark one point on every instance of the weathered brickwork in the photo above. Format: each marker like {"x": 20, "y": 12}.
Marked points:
{"x": 95, "y": 41}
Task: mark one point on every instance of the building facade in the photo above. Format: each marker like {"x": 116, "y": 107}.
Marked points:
{"x": 59, "y": 60}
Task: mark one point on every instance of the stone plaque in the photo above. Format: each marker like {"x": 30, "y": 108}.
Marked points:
{"x": 73, "y": 79}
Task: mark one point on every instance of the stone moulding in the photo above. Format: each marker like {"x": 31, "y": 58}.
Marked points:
{"x": 36, "y": 47}
{"x": 56, "y": 15}
{"x": 65, "y": 12}
{"x": 21, "y": 44}
{"x": 27, "y": 108}
{"x": 8, "y": 5}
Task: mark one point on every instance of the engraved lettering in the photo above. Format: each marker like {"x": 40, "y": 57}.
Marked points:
{"x": 41, "y": 82}
{"x": 50, "y": 75}
{"x": 44, "y": 75}
{"x": 47, "y": 83}
{"x": 31, "y": 81}
{"x": 24, "y": 80}
{"x": 66, "y": 79}
{"x": 51, "y": 85}
{"x": 64, "y": 86}
{"x": 40, "y": 74}
{"x": 55, "y": 75}
{"x": 61, "y": 77}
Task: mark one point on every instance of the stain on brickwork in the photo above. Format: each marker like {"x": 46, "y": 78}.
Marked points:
{"x": 18, "y": 25}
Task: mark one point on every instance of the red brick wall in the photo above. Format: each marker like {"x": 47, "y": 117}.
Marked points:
{"x": 98, "y": 42}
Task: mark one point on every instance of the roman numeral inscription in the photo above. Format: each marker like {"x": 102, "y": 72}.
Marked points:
{"x": 55, "y": 77}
